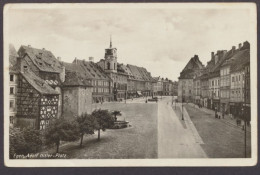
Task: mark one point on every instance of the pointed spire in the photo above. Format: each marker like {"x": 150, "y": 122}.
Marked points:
{"x": 110, "y": 41}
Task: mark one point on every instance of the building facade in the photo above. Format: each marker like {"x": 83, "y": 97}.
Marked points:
{"x": 13, "y": 83}
{"x": 185, "y": 84}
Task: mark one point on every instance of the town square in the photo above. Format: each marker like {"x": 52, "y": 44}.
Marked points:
{"x": 113, "y": 83}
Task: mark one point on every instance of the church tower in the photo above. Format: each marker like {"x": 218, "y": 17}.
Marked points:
{"x": 111, "y": 58}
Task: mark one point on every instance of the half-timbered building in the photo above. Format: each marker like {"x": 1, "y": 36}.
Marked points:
{"x": 37, "y": 102}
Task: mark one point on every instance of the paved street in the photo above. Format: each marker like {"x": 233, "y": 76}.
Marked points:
{"x": 221, "y": 139}
{"x": 175, "y": 141}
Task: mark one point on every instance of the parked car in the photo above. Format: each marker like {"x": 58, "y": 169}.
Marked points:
{"x": 153, "y": 99}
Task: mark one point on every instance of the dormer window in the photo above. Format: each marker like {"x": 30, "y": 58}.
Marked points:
{"x": 40, "y": 64}
{"x": 40, "y": 53}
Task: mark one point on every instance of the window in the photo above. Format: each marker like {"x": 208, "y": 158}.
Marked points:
{"x": 30, "y": 109}
{"x": 233, "y": 79}
{"x": 12, "y": 77}
{"x": 31, "y": 95}
{"x": 11, "y": 119}
{"x": 11, "y": 90}
{"x": 11, "y": 104}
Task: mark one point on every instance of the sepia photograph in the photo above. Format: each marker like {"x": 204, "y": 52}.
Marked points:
{"x": 134, "y": 84}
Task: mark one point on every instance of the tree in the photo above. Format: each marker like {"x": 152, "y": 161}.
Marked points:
{"x": 33, "y": 139}
{"x": 87, "y": 125}
{"x": 61, "y": 130}
{"x": 17, "y": 144}
{"x": 104, "y": 120}
{"x": 116, "y": 113}
{"x": 24, "y": 141}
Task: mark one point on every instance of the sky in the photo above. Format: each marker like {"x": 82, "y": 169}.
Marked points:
{"x": 162, "y": 40}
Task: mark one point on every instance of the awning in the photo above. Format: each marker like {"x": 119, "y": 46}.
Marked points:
{"x": 139, "y": 93}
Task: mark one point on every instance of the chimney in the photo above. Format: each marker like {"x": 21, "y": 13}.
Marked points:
{"x": 216, "y": 59}
{"x": 239, "y": 46}
{"x": 43, "y": 48}
{"x": 58, "y": 58}
{"x": 91, "y": 59}
{"x": 212, "y": 55}
{"x": 246, "y": 45}
{"x": 76, "y": 60}
{"x": 29, "y": 45}
{"x": 233, "y": 49}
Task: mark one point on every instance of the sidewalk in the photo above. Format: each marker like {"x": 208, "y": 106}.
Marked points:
{"x": 227, "y": 119}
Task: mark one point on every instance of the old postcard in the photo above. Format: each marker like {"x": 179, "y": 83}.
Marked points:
{"x": 147, "y": 84}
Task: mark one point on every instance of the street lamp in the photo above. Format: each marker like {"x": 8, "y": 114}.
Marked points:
{"x": 243, "y": 116}
{"x": 125, "y": 93}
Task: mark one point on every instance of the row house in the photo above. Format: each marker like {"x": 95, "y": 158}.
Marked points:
{"x": 247, "y": 102}
{"x": 214, "y": 90}
{"x": 142, "y": 79}
{"x": 102, "y": 84}
{"x": 197, "y": 89}
{"x": 185, "y": 83}
{"x": 166, "y": 87}
{"x": 205, "y": 90}
{"x": 231, "y": 80}
{"x": 237, "y": 87}
{"x": 158, "y": 86}
{"x": 213, "y": 67}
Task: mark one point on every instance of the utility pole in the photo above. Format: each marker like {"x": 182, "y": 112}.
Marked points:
{"x": 243, "y": 110}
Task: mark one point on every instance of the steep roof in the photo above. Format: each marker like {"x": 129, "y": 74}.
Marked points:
{"x": 91, "y": 70}
{"x": 39, "y": 84}
{"x": 75, "y": 79}
{"x": 239, "y": 60}
{"x": 140, "y": 73}
{"x": 43, "y": 59}
{"x": 80, "y": 71}
{"x": 13, "y": 66}
{"x": 191, "y": 68}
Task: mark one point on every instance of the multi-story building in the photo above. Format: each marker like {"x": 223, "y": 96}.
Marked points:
{"x": 185, "y": 84}
{"x": 102, "y": 84}
{"x": 142, "y": 80}
{"x": 76, "y": 92}
{"x": 175, "y": 88}
{"x": 247, "y": 103}
{"x": 44, "y": 65}
{"x": 204, "y": 84}
{"x": 232, "y": 58}
{"x": 115, "y": 72}
{"x": 213, "y": 68}
{"x": 197, "y": 90}
{"x": 38, "y": 89}
{"x": 13, "y": 82}
{"x": 158, "y": 86}
{"x": 214, "y": 91}
{"x": 166, "y": 87}
{"x": 237, "y": 88}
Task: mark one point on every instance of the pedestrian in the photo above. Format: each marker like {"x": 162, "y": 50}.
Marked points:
{"x": 223, "y": 115}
